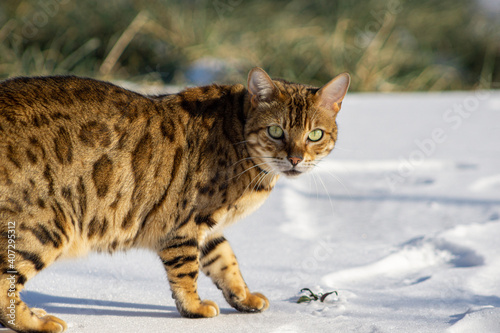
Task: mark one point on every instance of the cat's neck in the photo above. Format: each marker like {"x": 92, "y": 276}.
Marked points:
{"x": 262, "y": 179}
{"x": 220, "y": 112}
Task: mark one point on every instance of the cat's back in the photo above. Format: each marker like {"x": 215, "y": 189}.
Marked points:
{"x": 61, "y": 109}
{"x": 35, "y": 101}
{"x": 51, "y": 125}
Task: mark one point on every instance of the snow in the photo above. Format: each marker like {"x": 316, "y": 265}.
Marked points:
{"x": 402, "y": 220}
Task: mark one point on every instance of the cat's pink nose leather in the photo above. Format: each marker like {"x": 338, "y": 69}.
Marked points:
{"x": 294, "y": 160}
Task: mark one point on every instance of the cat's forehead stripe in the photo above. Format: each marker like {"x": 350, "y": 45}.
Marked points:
{"x": 297, "y": 101}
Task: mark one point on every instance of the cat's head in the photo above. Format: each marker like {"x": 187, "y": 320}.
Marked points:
{"x": 290, "y": 127}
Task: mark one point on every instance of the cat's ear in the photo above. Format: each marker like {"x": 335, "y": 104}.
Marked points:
{"x": 261, "y": 86}
{"x": 330, "y": 96}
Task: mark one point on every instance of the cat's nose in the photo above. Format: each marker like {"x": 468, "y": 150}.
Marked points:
{"x": 294, "y": 160}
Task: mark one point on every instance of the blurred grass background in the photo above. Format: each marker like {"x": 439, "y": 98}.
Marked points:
{"x": 394, "y": 45}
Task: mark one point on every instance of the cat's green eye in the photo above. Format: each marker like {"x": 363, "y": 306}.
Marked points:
{"x": 316, "y": 135}
{"x": 275, "y": 132}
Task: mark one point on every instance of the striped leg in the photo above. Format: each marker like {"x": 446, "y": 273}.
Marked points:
{"x": 17, "y": 315}
{"x": 29, "y": 256}
{"x": 219, "y": 263}
{"x": 26, "y": 247}
{"x": 180, "y": 259}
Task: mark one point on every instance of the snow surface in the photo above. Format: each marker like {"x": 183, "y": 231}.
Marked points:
{"x": 402, "y": 220}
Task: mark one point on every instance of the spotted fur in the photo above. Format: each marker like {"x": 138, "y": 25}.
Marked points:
{"x": 88, "y": 166}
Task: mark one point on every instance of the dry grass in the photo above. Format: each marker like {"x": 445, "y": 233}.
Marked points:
{"x": 397, "y": 45}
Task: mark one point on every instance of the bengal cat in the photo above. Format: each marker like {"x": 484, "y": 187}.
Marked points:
{"x": 88, "y": 166}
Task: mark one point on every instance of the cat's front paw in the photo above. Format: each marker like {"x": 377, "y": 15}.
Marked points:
{"x": 251, "y": 302}
{"x": 204, "y": 309}
{"x": 49, "y": 323}
{"x": 52, "y": 324}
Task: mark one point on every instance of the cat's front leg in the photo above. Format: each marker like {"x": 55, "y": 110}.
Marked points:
{"x": 180, "y": 259}
{"x": 219, "y": 263}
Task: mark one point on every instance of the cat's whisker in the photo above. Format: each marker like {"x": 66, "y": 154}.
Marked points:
{"x": 241, "y": 142}
{"x": 257, "y": 184}
{"x": 246, "y": 159}
{"x": 344, "y": 149}
{"x": 271, "y": 174}
{"x": 315, "y": 183}
{"x": 246, "y": 170}
{"x": 310, "y": 183}
{"x": 331, "y": 174}
{"x": 240, "y": 161}
{"x": 258, "y": 179}
{"x": 327, "y": 192}
{"x": 262, "y": 180}
{"x": 252, "y": 180}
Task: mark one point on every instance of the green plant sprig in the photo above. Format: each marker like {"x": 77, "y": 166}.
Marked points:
{"x": 314, "y": 297}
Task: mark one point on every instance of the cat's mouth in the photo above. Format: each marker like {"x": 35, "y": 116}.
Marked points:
{"x": 292, "y": 173}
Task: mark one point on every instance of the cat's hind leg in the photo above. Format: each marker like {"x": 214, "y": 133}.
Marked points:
{"x": 219, "y": 263}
